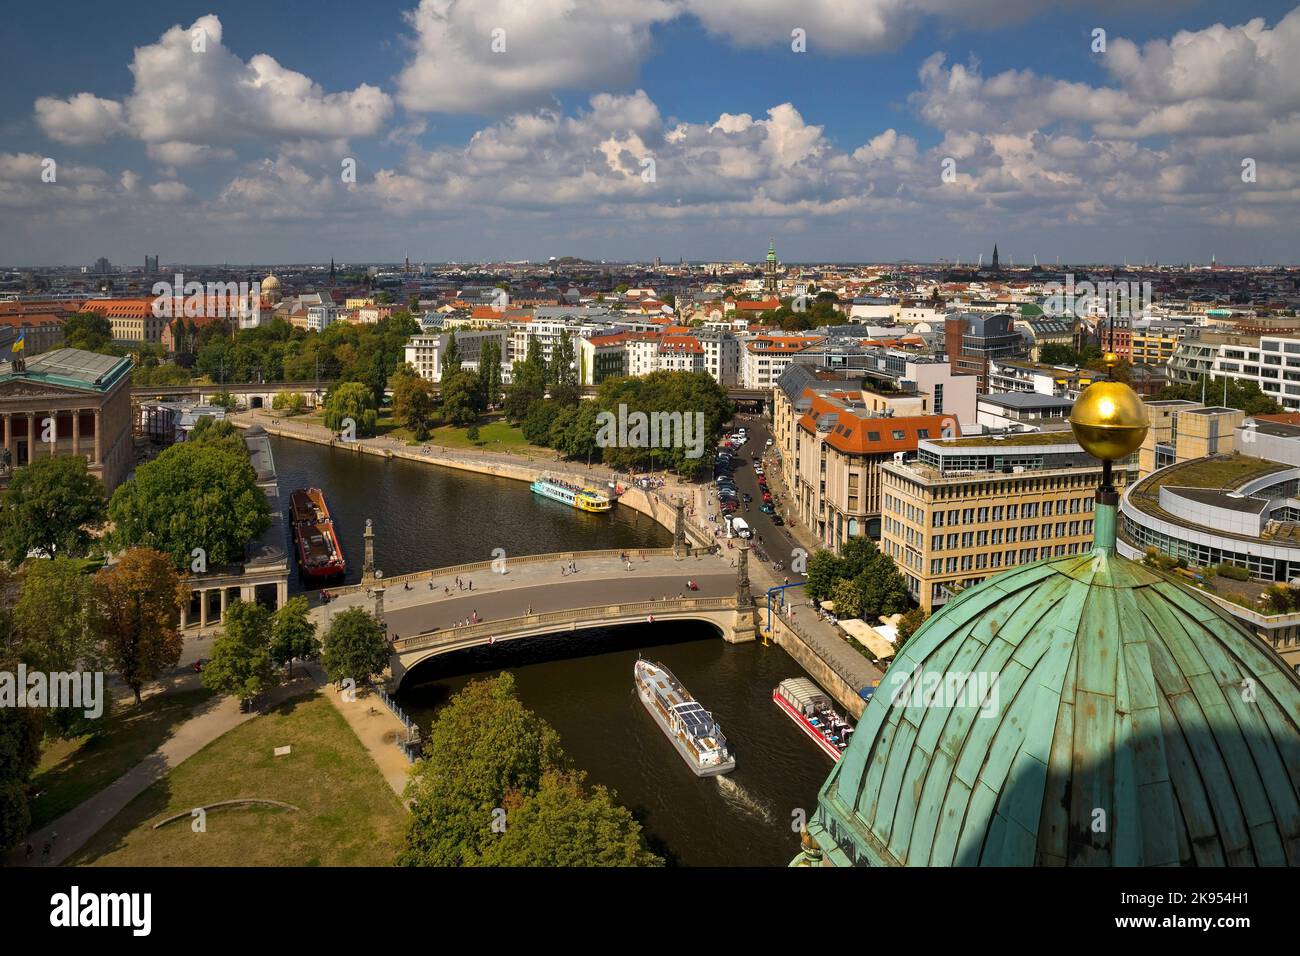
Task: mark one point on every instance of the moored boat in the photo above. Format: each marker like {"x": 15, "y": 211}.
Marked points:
{"x": 683, "y": 719}
{"x": 577, "y": 496}
{"x": 808, "y": 706}
{"x": 320, "y": 555}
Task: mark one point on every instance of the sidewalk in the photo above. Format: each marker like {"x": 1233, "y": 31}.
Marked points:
{"x": 375, "y": 726}
{"x": 70, "y": 832}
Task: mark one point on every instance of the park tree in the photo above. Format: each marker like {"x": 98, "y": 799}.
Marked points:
{"x": 527, "y": 383}
{"x": 55, "y": 622}
{"x": 355, "y": 647}
{"x": 825, "y": 570}
{"x": 293, "y": 634}
{"x": 483, "y": 745}
{"x": 198, "y": 502}
{"x": 355, "y": 401}
{"x": 573, "y": 432}
{"x": 460, "y": 395}
{"x": 139, "y": 600}
{"x": 847, "y": 599}
{"x": 562, "y": 375}
{"x": 89, "y": 331}
{"x": 908, "y": 625}
{"x": 536, "y": 427}
{"x": 48, "y": 508}
{"x": 561, "y": 823}
{"x": 242, "y": 664}
{"x": 450, "y": 361}
{"x": 289, "y": 403}
{"x": 21, "y": 729}
{"x": 413, "y": 404}
{"x": 489, "y": 374}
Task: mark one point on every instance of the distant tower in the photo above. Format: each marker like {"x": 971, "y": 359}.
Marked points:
{"x": 769, "y": 268}
{"x": 331, "y": 272}
{"x": 995, "y": 257}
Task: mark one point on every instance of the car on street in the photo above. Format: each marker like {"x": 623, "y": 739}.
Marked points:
{"x": 770, "y": 442}
{"x": 777, "y": 519}
{"x": 767, "y": 508}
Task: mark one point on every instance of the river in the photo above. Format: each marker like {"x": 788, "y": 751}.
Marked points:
{"x": 581, "y": 684}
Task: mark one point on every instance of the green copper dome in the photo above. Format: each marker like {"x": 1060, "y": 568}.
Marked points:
{"x": 1108, "y": 716}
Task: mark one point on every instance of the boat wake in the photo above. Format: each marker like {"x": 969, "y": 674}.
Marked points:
{"x": 738, "y": 796}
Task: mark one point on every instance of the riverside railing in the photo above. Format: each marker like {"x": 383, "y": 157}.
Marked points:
{"x": 413, "y": 743}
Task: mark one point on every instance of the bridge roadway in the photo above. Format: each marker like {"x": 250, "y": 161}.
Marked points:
{"x": 412, "y": 607}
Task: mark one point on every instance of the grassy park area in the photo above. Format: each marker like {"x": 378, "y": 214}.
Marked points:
{"x": 71, "y": 771}
{"x": 347, "y": 815}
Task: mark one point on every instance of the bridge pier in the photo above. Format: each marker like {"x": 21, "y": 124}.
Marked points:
{"x": 743, "y": 627}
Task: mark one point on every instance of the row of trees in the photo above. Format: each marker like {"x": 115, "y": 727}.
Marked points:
{"x": 496, "y": 789}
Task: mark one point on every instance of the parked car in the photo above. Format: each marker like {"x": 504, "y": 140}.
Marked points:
{"x": 770, "y": 442}
{"x": 777, "y": 519}
{"x": 758, "y": 470}
{"x": 747, "y": 497}
{"x": 767, "y": 508}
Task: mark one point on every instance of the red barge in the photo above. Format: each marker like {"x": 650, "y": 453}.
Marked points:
{"x": 805, "y": 704}
{"x": 319, "y": 553}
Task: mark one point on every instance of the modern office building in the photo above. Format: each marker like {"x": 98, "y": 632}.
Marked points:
{"x": 1271, "y": 360}
{"x": 1182, "y": 430}
{"x": 973, "y": 339}
{"x": 966, "y": 508}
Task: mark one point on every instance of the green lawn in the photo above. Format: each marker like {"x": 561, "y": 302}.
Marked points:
{"x": 347, "y": 815}
{"x": 71, "y": 771}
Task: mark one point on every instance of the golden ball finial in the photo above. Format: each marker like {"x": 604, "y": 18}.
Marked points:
{"x": 1110, "y": 359}
{"x": 1109, "y": 420}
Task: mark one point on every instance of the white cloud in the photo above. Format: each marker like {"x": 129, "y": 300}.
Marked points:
{"x": 80, "y": 119}
{"x": 176, "y": 153}
{"x": 170, "y": 191}
{"x": 211, "y": 96}
{"x": 549, "y": 46}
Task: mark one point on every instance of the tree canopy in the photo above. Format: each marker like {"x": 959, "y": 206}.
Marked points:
{"x": 48, "y": 507}
{"x": 139, "y": 602}
{"x": 355, "y": 647}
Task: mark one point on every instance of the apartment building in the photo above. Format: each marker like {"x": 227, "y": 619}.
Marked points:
{"x": 601, "y": 357}
{"x": 833, "y": 471}
{"x": 425, "y": 352}
{"x": 973, "y": 339}
{"x": 966, "y": 508}
{"x": 767, "y": 356}
{"x": 1154, "y": 341}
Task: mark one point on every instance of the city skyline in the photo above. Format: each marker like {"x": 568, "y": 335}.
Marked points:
{"x": 580, "y": 131}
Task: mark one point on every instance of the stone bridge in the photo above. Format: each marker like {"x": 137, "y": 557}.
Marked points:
{"x": 724, "y": 613}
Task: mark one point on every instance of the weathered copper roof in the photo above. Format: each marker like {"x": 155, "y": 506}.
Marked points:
{"x": 1132, "y": 723}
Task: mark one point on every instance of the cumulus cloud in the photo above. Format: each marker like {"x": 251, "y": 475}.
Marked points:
{"x": 80, "y": 119}
{"x": 490, "y": 55}
{"x": 189, "y": 89}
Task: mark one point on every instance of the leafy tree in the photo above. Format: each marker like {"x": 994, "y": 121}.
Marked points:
{"x": 54, "y": 619}
{"x": 489, "y": 374}
{"x": 241, "y": 664}
{"x": 1055, "y": 353}
{"x": 450, "y": 357}
{"x": 290, "y": 403}
{"x": 196, "y": 495}
{"x": 536, "y": 428}
{"x": 89, "y": 331}
{"x": 1240, "y": 394}
{"x": 847, "y": 599}
{"x": 825, "y": 569}
{"x": 460, "y": 398}
{"x": 573, "y": 433}
{"x": 21, "y": 729}
{"x": 293, "y": 634}
{"x": 413, "y": 403}
{"x": 908, "y": 625}
{"x": 561, "y": 824}
{"x": 527, "y": 383}
{"x": 562, "y": 376}
{"x": 483, "y": 745}
{"x": 355, "y": 647}
{"x": 47, "y": 508}
{"x": 139, "y": 609}
{"x": 882, "y": 588}
{"x": 352, "y": 400}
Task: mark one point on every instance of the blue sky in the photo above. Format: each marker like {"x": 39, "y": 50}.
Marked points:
{"x": 541, "y": 149}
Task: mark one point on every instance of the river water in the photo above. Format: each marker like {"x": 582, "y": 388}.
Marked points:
{"x": 581, "y": 684}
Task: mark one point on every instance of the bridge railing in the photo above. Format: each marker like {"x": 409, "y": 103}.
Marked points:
{"x": 594, "y": 614}
{"x": 412, "y": 745}
{"x": 560, "y": 556}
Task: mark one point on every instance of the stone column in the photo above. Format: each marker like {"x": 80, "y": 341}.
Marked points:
{"x": 76, "y": 431}
{"x": 9, "y": 435}
{"x": 379, "y": 608}
{"x": 742, "y": 626}
{"x": 203, "y": 608}
{"x": 223, "y": 605}
{"x": 281, "y": 594}
{"x": 679, "y": 532}
{"x": 54, "y": 432}
{"x": 99, "y": 441}
{"x": 368, "y": 567}
{"x": 185, "y": 611}
{"x": 31, "y": 437}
